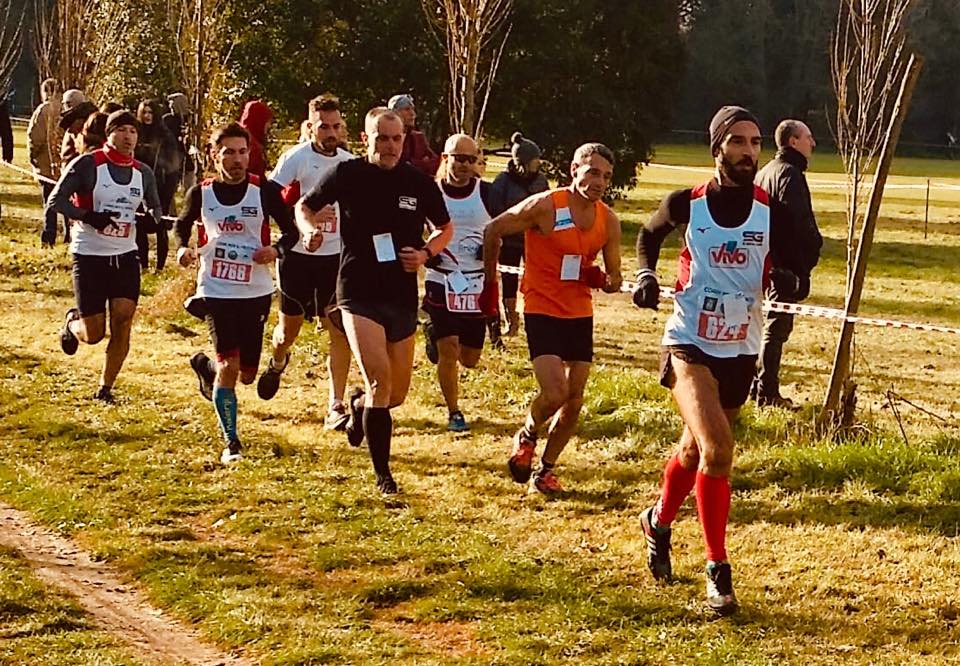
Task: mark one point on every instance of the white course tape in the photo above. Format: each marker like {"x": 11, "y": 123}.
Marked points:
{"x": 44, "y": 179}
{"x": 667, "y": 294}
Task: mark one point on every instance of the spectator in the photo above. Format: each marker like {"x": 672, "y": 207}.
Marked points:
{"x": 43, "y": 144}
{"x": 94, "y": 133}
{"x": 152, "y": 137}
{"x": 6, "y": 132}
{"x": 177, "y": 121}
{"x": 111, "y": 106}
{"x": 416, "y": 149}
{"x": 71, "y": 122}
{"x": 256, "y": 119}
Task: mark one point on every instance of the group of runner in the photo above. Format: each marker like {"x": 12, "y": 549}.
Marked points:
{"x": 352, "y": 242}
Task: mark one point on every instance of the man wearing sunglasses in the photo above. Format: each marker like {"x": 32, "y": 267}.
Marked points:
{"x": 564, "y": 230}
{"x": 456, "y": 327}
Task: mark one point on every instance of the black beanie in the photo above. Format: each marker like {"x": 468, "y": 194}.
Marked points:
{"x": 722, "y": 121}
{"x": 121, "y": 117}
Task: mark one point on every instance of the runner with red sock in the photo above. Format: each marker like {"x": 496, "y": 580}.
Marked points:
{"x": 736, "y": 242}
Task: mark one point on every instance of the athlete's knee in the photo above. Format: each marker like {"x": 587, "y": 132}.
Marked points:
{"x": 469, "y": 359}
{"x": 247, "y": 375}
{"x": 717, "y": 460}
{"x": 92, "y": 332}
{"x": 555, "y": 396}
{"x": 228, "y": 368}
{"x": 448, "y": 348}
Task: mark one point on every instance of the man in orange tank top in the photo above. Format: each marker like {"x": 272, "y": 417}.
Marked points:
{"x": 564, "y": 230}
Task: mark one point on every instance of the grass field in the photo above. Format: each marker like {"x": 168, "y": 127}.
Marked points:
{"x": 843, "y": 551}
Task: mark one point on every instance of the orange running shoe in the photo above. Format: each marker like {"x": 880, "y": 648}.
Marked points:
{"x": 521, "y": 458}
{"x": 548, "y": 484}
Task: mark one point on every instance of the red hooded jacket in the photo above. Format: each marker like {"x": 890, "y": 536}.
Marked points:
{"x": 255, "y": 117}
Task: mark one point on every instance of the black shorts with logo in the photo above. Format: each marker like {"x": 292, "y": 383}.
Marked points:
{"x": 307, "y": 283}
{"x": 398, "y": 322}
{"x": 236, "y": 327}
{"x": 98, "y": 279}
{"x": 471, "y": 329}
{"x": 734, "y": 375}
{"x": 570, "y": 339}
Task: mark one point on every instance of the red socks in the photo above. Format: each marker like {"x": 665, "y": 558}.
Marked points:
{"x": 713, "y": 504}
{"x": 677, "y": 484}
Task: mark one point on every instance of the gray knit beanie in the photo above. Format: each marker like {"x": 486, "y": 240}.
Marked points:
{"x": 523, "y": 150}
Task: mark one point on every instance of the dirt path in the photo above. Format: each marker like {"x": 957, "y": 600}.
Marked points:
{"x": 117, "y": 607}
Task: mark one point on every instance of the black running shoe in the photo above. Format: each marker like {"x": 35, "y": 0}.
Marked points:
{"x": 269, "y": 382}
{"x": 105, "y": 395}
{"x": 231, "y": 452}
{"x": 386, "y": 485}
{"x": 658, "y": 547}
{"x": 720, "y": 596}
{"x": 354, "y": 426}
{"x": 430, "y": 342}
{"x": 200, "y": 363}
{"x": 68, "y": 341}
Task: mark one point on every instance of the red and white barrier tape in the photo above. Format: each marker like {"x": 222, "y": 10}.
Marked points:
{"x": 44, "y": 179}
{"x": 820, "y": 312}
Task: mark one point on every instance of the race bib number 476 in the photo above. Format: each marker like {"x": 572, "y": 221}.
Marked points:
{"x": 230, "y": 271}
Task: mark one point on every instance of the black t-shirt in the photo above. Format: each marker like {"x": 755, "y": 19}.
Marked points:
{"x": 376, "y": 201}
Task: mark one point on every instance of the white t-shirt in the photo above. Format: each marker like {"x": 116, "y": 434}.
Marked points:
{"x": 299, "y": 169}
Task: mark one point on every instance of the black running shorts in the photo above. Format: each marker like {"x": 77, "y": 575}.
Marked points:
{"x": 307, "y": 283}
{"x": 97, "y": 280}
{"x": 398, "y": 322}
{"x": 471, "y": 329}
{"x": 570, "y": 339}
{"x": 734, "y": 375}
{"x": 236, "y": 328}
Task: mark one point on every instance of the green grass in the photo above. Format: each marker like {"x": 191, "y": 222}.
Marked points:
{"x": 844, "y": 551}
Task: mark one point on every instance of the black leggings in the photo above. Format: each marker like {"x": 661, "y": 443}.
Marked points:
{"x": 143, "y": 244}
{"x": 510, "y": 255}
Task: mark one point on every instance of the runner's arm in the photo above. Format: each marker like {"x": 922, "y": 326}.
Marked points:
{"x": 530, "y": 213}
{"x": 611, "y": 255}
{"x": 190, "y": 215}
{"x": 80, "y": 175}
{"x": 277, "y": 209}
{"x": 324, "y": 193}
{"x": 439, "y": 217}
{"x": 674, "y": 211}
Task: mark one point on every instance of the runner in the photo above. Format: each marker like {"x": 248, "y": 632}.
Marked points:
{"x": 101, "y": 192}
{"x": 736, "y": 241}
{"x": 234, "y": 284}
{"x": 308, "y": 280}
{"x": 564, "y": 229}
{"x": 384, "y": 206}
{"x": 456, "y": 327}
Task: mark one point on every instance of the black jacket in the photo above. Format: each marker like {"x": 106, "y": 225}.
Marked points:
{"x": 783, "y": 180}
{"x": 6, "y": 133}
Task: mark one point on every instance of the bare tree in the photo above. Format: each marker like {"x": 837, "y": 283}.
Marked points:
{"x": 11, "y": 46}
{"x": 45, "y": 52}
{"x": 473, "y": 34}
{"x": 873, "y": 78}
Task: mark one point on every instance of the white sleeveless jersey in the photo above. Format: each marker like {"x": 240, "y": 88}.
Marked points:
{"x": 303, "y": 167}
{"x": 108, "y": 195}
{"x": 469, "y": 217}
{"x": 720, "y": 282}
{"x": 229, "y": 235}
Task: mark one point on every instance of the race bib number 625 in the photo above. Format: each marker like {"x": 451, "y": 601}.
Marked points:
{"x": 713, "y": 327}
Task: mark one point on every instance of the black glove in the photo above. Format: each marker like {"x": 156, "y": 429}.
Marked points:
{"x": 101, "y": 221}
{"x": 647, "y": 293}
{"x": 786, "y": 284}
{"x": 48, "y": 237}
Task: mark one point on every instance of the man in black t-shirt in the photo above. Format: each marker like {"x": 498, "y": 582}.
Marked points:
{"x": 384, "y": 207}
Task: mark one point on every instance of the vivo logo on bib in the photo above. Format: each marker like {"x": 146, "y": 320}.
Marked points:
{"x": 230, "y": 225}
{"x": 729, "y": 255}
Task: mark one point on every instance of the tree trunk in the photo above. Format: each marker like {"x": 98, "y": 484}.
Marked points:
{"x": 832, "y": 413}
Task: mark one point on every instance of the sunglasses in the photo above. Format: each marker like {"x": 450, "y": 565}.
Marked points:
{"x": 465, "y": 159}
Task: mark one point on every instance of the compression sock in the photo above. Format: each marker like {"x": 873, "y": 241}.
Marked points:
{"x": 677, "y": 484}
{"x": 713, "y": 503}
{"x": 378, "y": 427}
{"x": 225, "y": 402}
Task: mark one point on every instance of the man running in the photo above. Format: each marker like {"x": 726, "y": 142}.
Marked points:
{"x": 234, "y": 283}
{"x": 308, "y": 280}
{"x": 736, "y": 241}
{"x": 456, "y": 327}
{"x": 384, "y": 206}
{"x": 101, "y": 192}
{"x": 564, "y": 230}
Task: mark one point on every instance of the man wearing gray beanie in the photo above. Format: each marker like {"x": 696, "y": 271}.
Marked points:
{"x": 736, "y": 241}
{"x": 521, "y": 179}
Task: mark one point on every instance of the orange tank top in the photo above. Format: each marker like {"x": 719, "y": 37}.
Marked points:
{"x": 544, "y": 292}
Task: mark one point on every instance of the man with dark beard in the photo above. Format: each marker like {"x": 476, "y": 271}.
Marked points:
{"x": 736, "y": 241}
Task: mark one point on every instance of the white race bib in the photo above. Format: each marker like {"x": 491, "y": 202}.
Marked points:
{"x": 467, "y": 300}
{"x": 232, "y": 262}
{"x": 383, "y": 246}
{"x": 570, "y": 267}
